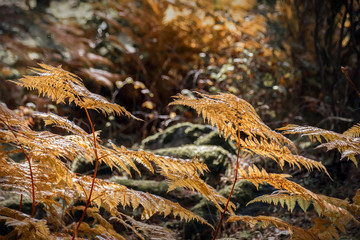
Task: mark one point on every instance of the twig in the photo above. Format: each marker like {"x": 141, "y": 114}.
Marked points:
{"x": 94, "y": 176}
{"x": 31, "y": 173}
{"x": 343, "y": 69}
{"x": 228, "y": 200}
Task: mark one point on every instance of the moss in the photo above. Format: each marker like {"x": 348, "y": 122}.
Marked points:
{"x": 215, "y": 157}
{"x": 155, "y": 187}
{"x": 244, "y": 191}
{"x": 213, "y": 138}
{"x": 177, "y": 135}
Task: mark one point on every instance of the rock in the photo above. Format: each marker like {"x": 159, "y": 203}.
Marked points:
{"x": 213, "y": 138}
{"x": 151, "y": 186}
{"x": 244, "y": 191}
{"x": 177, "y": 135}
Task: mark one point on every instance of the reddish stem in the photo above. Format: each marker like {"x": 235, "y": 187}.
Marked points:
{"x": 228, "y": 200}
{"x": 20, "y": 205}
{"x": 94, "y": 176}
{"x": 343, "y": 69}
{"x": 31, "y": 173}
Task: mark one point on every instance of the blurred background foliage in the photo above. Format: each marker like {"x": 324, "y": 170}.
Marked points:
{"x": 283, "y": 56}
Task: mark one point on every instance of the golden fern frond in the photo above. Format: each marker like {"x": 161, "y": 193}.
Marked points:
{"x": 296, "y": 232}
{"x": 110, "y": 195}
{"x": 61, "y": 122}
{"x": 311, "y": 132}
{"x": 10, "y": 118}
{"x": 100, "y": 227}
{"x": 354, "y": 131}
{"x": 280, "y": 154}
{"x": 324, "y": 229}
{"x": 25, "y": 226}
{"x": 347, "y": 143}
{"x": 348, "y": 147}
{"x": 231, "y": 115}
{"x": 283, "y": 199}
{"x": 195, "y": 183}
{"x": 141, "y": 229}
{"x": 60, "y": 86}
{"x": 49, "y": 182}
{"x": 179, "y": 172}
{"x": 343, "y": 203}
{"x": 279, "y": 181}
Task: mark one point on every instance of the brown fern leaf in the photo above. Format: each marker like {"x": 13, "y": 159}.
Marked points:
{"x": 347, "y": 143}
{"x": 25, "y": 226}
{"x": 141, "y": 229}
{"x": 100, "y": 226}
{"x": 283, "y": 198}
{"x": 296, "y": 232}
{"x": 179, "y": 172}
{"x": 311, "y": 132}
{"x": 348, "y": 147}
{"x": 343, "y": 203}
{"x": 61, "y": 122}
{"x": 279, "y": 181}
{"x": 231, "y": 115}
{"x": 11, "y": 119}
{"x": 58, "y": 146}
{"x": 60, "y": 86}
{"x": 109, "y": 195}
{"x": 324, "y": 229}
{"x": 195, "y": 183}
{"x": 280, "y": 154}
{"x": 354, "y": 131}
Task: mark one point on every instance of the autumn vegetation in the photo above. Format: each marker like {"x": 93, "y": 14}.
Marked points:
{"x": 89, "y": 80}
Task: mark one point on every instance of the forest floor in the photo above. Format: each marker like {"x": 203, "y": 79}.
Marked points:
{"x": 141, "y": 62}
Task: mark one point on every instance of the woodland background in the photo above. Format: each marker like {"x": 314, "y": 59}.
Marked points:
{"x": 282, "y": 56}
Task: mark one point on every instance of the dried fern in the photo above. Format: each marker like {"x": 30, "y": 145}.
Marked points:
{"x": 57, "y": 189}
{"x": 347, "y": 143}
{"x": 236, "y": 119}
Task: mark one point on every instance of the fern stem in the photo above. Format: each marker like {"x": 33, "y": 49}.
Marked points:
{"x": 94, "y": 176}
{"x": 30, "y": 168}
{"x": 343, "y": 69}
{"x": 20, "y": 205}
{"x": 228, "y": 200}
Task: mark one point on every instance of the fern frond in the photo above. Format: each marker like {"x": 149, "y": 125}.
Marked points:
{"x": 100, "y": 227}
{"x": 325, "y": 229}
{"x": 354, "y": 131}
{"x": 296, "y": 232}
{"x": 231, "y": 115}
{"x": 279, "y": 181}
{"x": 347, "y": 143}
{"x": 195, "y": 183}
{"x": 280, "y": 154}
{"x": 348, "y": 147}
{"x": 61, "y": 122}
{"x": 9, "y": 117}
{"x": 25, "y": 226}
{"x": 283, "y": 199}
{"x": 141, "y": 229}
{"x": 60, "y": 86}
{"x": 109, "y": 195}
{"x": 179, "y": 172}
{"x": 311, "y": 132}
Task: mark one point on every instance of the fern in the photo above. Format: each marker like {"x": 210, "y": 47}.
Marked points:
{"x": 297, "y": 232}
{"x": 237, "y": 120}
{"x": 57, "y": 189}
{"x": 346, "y": 143}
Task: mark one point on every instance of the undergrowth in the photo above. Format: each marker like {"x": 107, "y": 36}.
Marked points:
{"x": 34, "y": 166}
